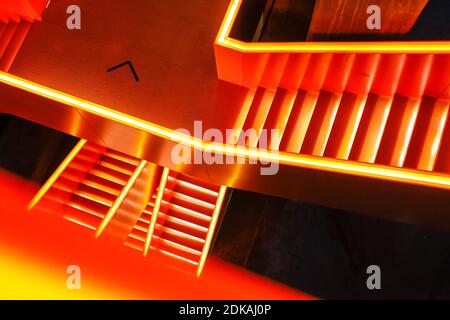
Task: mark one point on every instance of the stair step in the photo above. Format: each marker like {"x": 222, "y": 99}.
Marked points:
{"x": 114, "y": 164}
{"x": 87, "y": 205}
{"x": 6, "y": 37}
{"x": 298, "y": 122}
{"x": 95, "y": 194}
{"x": 371, "y": 128}
{"x": 427, "y": 135}
{"x": 81, "y": 217}
{"x": 278, "y": 117}
{"x": 173, "y": 231}
{"x": 364, "y": 107}
{"x": 321, "y": 124}
{"x": 168, "y": 246}
{"x": 184, "y": 224}
{"x": 95, "y": 148}
{"x": 398, "y": 132}
{"x": 109, "y": 174}
{"x": 139, "y": 245}
{"x": 194, "y": 181}
{"x": 102, "y": 184}
{"x": 191, "y": 190}
{"x": 190, "y": 185}
{"x": 72, "y": 214}
{"x": 183, "y": 213}
{"x": 88, "y": 155}
{"x": 122, "y": 157}
{"x": 256, "y": 117}
{"x": 81, "y": 164}
{"x": 203, "y": 205}
{"x": 345, "y": 126}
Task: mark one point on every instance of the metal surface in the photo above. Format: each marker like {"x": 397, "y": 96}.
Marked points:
{"x": 168, "y": 42}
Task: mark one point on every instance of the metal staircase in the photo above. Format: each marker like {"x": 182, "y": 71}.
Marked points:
{"x": 88, "y": 185}
{"x": 178, "y": 221}
{"x": 389, "y": 109}
{"x": 188, "y": 209}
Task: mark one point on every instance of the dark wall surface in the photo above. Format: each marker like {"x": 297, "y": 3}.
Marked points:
{"x": 326, "y": 252}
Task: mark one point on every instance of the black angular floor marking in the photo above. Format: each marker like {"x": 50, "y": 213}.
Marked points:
{"x": 130, "y": 64}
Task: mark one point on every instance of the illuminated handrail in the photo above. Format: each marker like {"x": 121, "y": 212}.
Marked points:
{"x": 224, "y": 39}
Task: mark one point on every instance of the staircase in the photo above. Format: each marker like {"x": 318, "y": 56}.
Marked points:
{"x": 389, "y": 109}
{"x": 93, "y": 178}
{"x": 188, "y": 212}
{"x": 379, "y": 102}
{"x": 87, "y": 187}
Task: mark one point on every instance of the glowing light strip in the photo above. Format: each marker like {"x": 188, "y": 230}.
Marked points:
{"x": 338, "y": 47}
{"x": 157, "y": 205}
{"x": 332, "y": 165}
{"x": 228, "y": 21}
{"x": 112, "y": 211}
{"x": 212, "y": 227}
{"x": 357, "y": 47}
{"x": 55, "y": 175}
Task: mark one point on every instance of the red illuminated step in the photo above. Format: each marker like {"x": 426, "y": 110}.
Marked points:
{"x": 88, "y": 186}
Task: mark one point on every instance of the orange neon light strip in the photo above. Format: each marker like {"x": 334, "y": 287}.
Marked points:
{"x": 55, "y": 175}
{"x": 423, "y": 178}
{"x": 156, "y": 207}
{"x": 212, "y": 227}
{"x": 355, "y": 47}
{"x": 112, "y": 211}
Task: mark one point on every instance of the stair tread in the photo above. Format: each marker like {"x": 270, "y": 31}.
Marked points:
{"x": 175, "y": 220}
{"x": 122, "y": 157}
{"x": 144, "y": 227}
